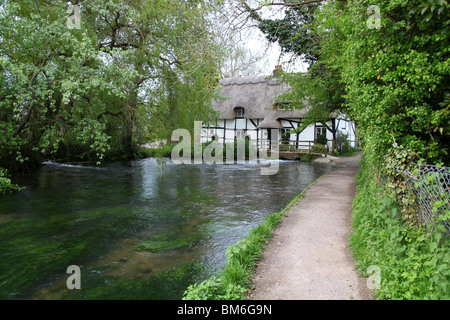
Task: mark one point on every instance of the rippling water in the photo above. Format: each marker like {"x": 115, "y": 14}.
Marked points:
{"x": 137, "y": 230}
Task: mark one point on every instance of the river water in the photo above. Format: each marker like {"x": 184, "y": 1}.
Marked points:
{"x": 144, "y": 229}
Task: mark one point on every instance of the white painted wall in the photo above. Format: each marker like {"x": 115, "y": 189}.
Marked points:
{"x": 344, "y": 125}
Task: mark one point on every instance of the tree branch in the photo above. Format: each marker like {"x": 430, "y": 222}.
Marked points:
{"x": 109, "y": 113}
{"x": 287, "y": 3}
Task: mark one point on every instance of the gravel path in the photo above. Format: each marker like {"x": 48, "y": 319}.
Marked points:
{"x": 308, "y": 257}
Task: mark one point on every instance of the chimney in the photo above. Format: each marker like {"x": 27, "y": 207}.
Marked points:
{"x": 278, "y": 70}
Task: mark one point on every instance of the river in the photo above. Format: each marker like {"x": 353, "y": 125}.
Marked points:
{"x": 144, "y": 229}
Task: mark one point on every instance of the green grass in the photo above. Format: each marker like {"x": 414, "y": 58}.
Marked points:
{"x": 164, "y": 152}
{"x": 350, "y": 154}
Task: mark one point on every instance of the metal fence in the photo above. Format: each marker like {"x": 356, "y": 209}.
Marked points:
{"x": 431, "y": 186}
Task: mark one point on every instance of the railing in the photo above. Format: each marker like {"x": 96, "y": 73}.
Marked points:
{"x": 296, "y": 146}
{"x": 290, "y": 146}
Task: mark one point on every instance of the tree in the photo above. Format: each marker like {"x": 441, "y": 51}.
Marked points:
{"x": 53, "y": 84}
{"x": 293, "y": 31}
{"x": 239, "y": 60}
{"x": 187, "y": 71}
{"x": 96, "y": 88}
{"x": 319, "y": 89}
{"x": 393, "y": 82}
{"x": 170, "y": 44}
{"x": 61, "y": 85}
{"x": 396, "y": 78}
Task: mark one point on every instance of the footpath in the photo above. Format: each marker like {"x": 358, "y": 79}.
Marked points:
{"x": 308, "y": 257}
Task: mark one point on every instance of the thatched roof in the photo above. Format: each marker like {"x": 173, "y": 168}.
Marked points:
{"x": 257, "y": 96}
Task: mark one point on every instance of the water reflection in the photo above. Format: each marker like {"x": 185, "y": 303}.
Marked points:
{"x": 134, "y": 226}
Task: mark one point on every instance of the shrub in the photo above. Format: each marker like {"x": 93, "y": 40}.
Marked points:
{"x": 249, "y": 148}
{"x": 343, "y": 143}
{"x": 414, "y": 262}
{"x": 5, "y": 182}
{"x": 322, "y": 139}
{"x": 319, "y": 148}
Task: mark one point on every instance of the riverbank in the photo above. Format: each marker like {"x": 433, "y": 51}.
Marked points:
{"x": 308, "y": 257}
{"x": 259, "y": 262}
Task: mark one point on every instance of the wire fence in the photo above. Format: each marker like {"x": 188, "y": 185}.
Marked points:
{"x": 431, "y": 186}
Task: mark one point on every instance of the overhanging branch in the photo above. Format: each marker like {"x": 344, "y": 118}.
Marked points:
{"x": 288, "y": 3}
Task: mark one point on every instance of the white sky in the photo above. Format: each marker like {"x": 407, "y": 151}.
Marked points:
{"x": 257, "y": 42}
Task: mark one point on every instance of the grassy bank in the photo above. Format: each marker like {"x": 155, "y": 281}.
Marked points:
{"x": 414, "y": 262}
{"x": 234, "y": 281}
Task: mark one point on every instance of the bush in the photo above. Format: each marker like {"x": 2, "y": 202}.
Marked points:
{"x": 214, "y": 289}
{"x": 5, "y": 182}
{"x": 322, "y": 139}
{"x": 414, "y": 262}
{"x": 164, "y": 152}
{"x": 319, "y": 148}
{"x": 343, "y": 143}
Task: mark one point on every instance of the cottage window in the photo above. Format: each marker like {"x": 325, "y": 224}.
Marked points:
{"x": 239, "y": 112}
{"x": 321, "y": 131}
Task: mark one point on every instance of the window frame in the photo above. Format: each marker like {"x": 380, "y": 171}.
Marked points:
{"x": 240, "y": 112}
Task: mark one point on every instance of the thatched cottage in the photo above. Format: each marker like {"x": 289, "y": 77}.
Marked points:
{"x": 251, "y": 111}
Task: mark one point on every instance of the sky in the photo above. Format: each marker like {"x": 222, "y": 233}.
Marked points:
{"x": 256, "y": 42}
{"x": 275, "y": 58}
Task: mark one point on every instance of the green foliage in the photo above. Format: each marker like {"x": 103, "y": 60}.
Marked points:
{"x": 318, "y": 91}
{"x": 414, "y": 262}
{"x": 394, "y": 83}
{"x": 164, "y": 152}
{"x": 134, "y": 69}
{"x": 322, "y": 139}
{"x": 318, "y": 148}
{"x": 5, "y": 182}
{"x": 53, "y": 83}
{"x": 292, "y": 31}
{"x": 214, "y": 289}
{"x": 249, "y": 149}
{"x": 396, "y": 78}
{"x": 343, "y": 143}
